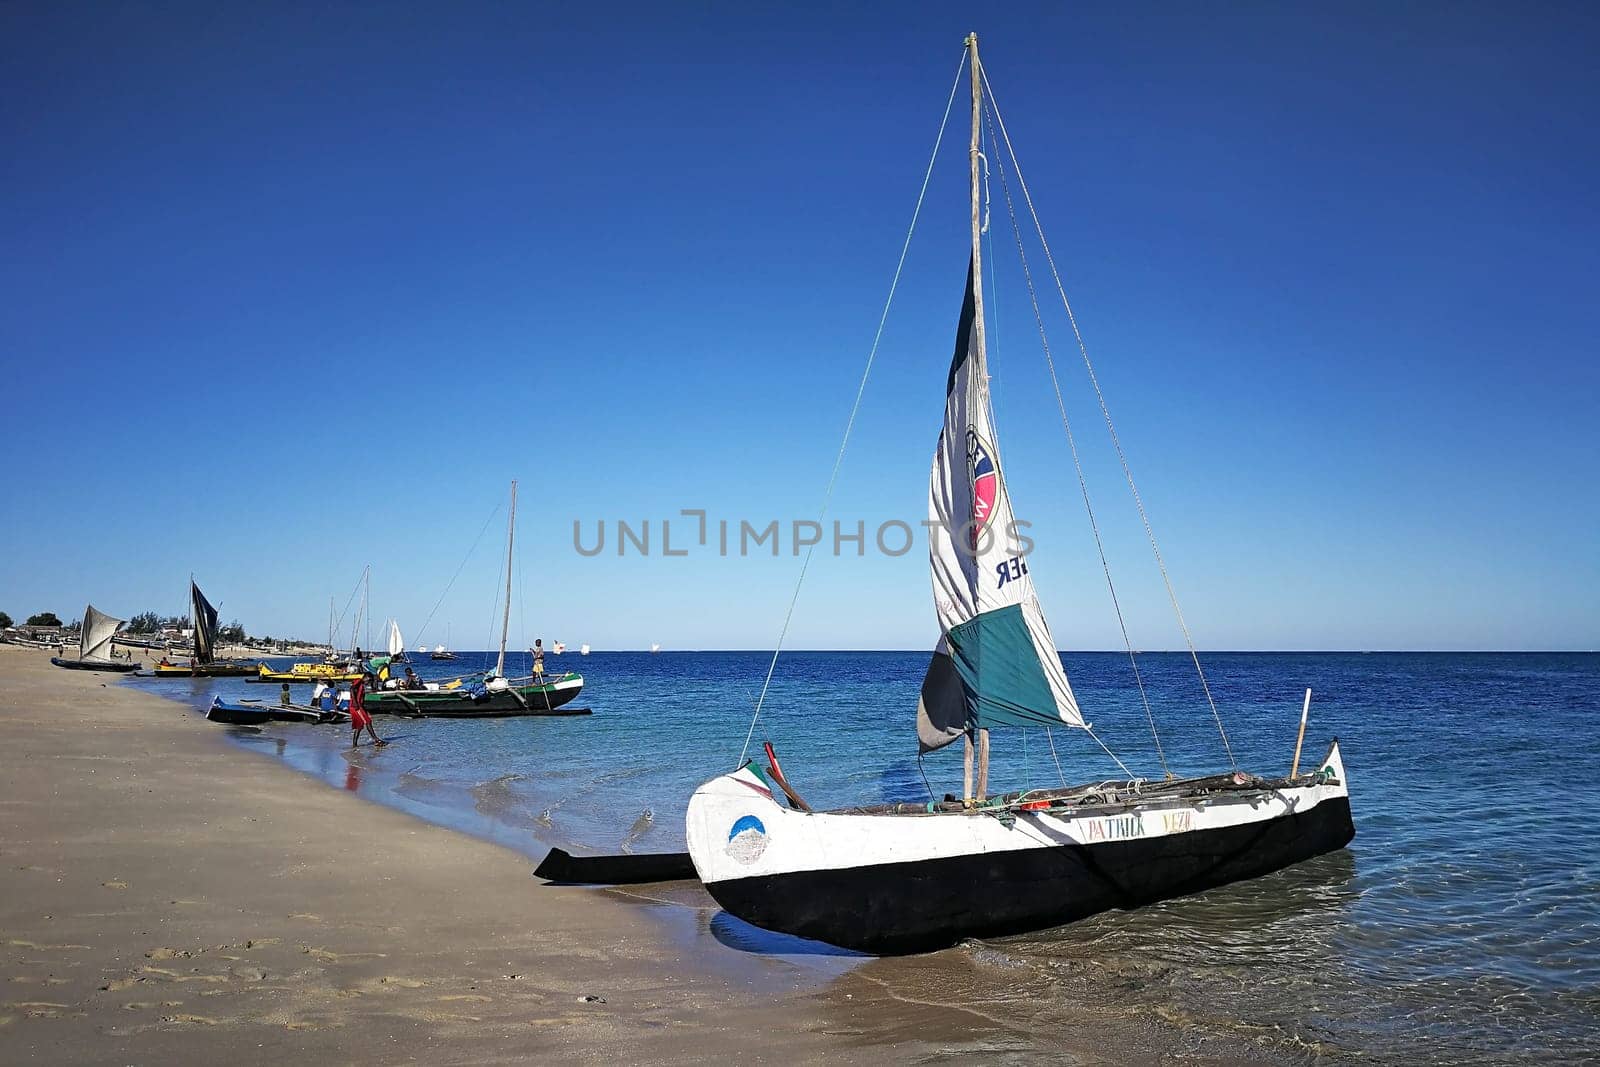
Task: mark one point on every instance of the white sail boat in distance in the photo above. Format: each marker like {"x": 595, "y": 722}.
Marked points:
{"x": 912, "y": 877}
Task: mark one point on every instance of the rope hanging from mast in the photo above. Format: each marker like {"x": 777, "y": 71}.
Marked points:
{"x": 1077, "y": 466}
{"x": 855, "y": 407}
{"x": 1105, "y": 411}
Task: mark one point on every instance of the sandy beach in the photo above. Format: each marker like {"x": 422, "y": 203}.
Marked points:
{"x": 169, "y": 898}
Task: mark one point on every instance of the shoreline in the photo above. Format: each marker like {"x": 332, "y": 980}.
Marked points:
{"x": 171, "y": 899}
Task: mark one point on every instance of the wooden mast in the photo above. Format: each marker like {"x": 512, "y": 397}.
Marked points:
{"x": 978, "y": 329}
{"x": 505, "y": 622}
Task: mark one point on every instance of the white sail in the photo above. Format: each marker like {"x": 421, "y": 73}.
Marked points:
{"x": 584, "y": 650}
{"x": 995, "y": 663}
{"x": 397, "y": 644}
{"x": 436, "y": 648}
{"x": 94, "y": 640}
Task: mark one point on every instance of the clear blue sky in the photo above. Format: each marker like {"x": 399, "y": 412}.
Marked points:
{"x": 288, "y": 289}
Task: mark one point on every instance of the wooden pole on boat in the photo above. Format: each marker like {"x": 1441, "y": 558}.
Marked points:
{"x": 1305, "y": 710}
{"x": 978, "y": 330}
{"x": 966, "y": 769}
{"x": 505, "y": 622}
{"x": 983, "y": 764}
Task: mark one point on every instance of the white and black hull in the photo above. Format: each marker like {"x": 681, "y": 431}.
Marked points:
{"x": 912, "y": 881}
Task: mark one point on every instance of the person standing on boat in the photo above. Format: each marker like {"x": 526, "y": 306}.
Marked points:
{"x": 360, "y": 718}
{"x": 538, "y": 657}
{"x": 283, "y": 698}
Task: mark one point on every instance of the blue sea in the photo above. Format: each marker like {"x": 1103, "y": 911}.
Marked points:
{"x": 1463, "y": 924}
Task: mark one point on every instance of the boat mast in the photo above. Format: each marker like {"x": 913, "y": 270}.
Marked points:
{"x": 982, "y": 377}
{"x": 505, "y": 621}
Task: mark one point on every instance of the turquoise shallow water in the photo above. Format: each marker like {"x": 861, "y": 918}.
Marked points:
{"x": 1462, "y": 924}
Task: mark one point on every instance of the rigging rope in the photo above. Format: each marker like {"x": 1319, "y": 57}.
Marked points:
{"x": 1050, "y": 735}
{"x": 855, "y": 407}
{"x": 1077, "y": 462}
{"x": 457, "y": 574}
{"x": 1105, "y": 411}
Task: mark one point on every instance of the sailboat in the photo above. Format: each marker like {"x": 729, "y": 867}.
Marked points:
{"x": 493, "y": 695}
{"x": 913, "y": 877}
{"x": 94, "y": 645}
{"x": 443, "y": 651}
{"x": 204, "y": 664}
{"x": 583, "y": 650}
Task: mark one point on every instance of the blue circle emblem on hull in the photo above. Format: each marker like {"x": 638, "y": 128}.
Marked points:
{"x": 747, "y": 839}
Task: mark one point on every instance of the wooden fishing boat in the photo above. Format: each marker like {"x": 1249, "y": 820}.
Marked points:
{"x": 94, "y": 645}
{"x": 214, "y": 669}
{"x": 492, "y": 695}
{"x": 299, "y": 673}
{"x": 255, "y": 713}
{"x": 235, "y": 714}
{"x": 203, "y": 663}
{"x": 497, "y": 699}
{"x": 914, "y": 877}
{"x": 107, "y": 665}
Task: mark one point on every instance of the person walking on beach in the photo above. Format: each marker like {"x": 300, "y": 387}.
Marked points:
{"x": 360, "y": 718}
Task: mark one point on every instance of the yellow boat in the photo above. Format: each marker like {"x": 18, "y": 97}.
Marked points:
{"x": 309, "y": 672}
{"x": 214, "y": 669}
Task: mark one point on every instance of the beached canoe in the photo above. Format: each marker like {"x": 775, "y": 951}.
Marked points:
{"x": 115, "y": 667}
{"x": 202, "y": 670}
{"x": 231, "y": 714}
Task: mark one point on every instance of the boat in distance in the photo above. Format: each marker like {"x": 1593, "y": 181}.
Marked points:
{"x": 520, "y": 696}
{"x": 95, "y": 645}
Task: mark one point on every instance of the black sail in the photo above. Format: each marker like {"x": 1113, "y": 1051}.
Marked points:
{"x": 205, "y": 625}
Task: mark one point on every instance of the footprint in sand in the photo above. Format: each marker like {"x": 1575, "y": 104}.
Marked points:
{"x": 332, "y": 956}
{"x": 39, "y": 1009}
{"x": 117, "y": 984}
{"x": 403, "y": 983}
{"x": 197, "y": 1020}
{"x": 168, "y": 954}
{"x": 115, "y": 883}
{"x": 42, "y": 948}
{"x": 478, "y": 997}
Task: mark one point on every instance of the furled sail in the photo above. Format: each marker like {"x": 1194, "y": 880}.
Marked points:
{"x": 205, "y": 624}
{"x": 995, "y": 664}
{"x": 94, "y": 640}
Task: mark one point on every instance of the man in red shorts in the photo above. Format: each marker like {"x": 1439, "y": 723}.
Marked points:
{"x": 359, "y": 717}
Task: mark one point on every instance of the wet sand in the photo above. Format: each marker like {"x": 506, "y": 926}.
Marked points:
{"x": 167, "y": 898}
